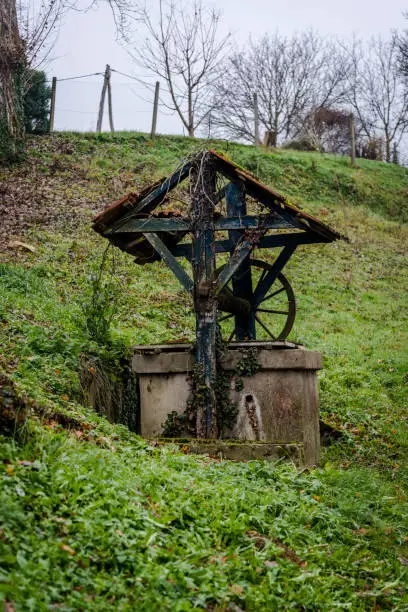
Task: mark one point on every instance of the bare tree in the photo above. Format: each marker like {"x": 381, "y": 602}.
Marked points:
{"x": 183, "y": 48}
{"x": 403, "y": 53}
{"x": 38, "y": 26}
{"x": 327, "y": 130}
{"x": 377, "y": 91}
{"x": 291, "y": 76}
{"x": 28, "y": 29}
{"x": 12, "y": 64}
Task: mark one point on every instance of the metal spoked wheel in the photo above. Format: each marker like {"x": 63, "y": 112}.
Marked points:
{"x": 274, "y": 315}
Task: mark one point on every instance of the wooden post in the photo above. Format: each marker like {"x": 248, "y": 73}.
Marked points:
{"x": 395, "y": 156}
{"x": 102, "y": 100}
{"x": 352, "y": 140}
{"x": 205, "y": 301}
{"x": 242, "y": 283}
{"x": 256, "y": 120}
{"x": 52, "y": 107}
{"x": 155, "y": 108}
{"x": 110, "y": 109}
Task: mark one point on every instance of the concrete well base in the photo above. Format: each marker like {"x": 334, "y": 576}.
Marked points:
{"x": 238, "y": 450}
{"x": 284, "y": 390}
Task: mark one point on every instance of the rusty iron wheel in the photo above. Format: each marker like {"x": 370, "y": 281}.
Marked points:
{"x": 274, "y": 315}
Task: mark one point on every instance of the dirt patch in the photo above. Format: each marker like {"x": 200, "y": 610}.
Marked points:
{"x": 56, "y": 188}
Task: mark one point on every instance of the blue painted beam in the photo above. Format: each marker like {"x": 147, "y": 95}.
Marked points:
{"x": 240, "y": 253}
{"x": 271, "y": 276}
{"x": 242, "y": 282}
{"x": 179, "y": 224}
{"x": 267, "y": 242}
{"x": 153, "y": 224}
{"x": 205, "y": 303}
{"x": 170, "y": 260}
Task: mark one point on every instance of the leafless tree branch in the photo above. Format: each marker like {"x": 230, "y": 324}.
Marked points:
{"x": 183, "y": 48}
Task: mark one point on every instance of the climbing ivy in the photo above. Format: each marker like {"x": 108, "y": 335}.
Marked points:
{"x": 12, "y": 123}
{"x": 184, "y": 424}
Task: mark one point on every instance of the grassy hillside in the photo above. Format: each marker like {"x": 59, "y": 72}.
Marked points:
{"x": 91, "y": 517}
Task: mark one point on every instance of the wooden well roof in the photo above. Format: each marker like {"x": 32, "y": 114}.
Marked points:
{"x": 139, "y": 206}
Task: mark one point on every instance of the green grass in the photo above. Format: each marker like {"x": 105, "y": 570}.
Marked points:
{"x": 112, "y": 523}
{"x": 185, "y": 520}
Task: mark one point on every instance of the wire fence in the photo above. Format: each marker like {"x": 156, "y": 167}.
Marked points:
{"x": 77, "y": 100}
{"x": 77, "y": 103}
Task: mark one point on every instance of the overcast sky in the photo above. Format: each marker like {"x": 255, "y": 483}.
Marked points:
{"x": 87, "y": 42}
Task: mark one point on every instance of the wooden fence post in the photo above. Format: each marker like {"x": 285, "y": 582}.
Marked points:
{"x": 102, "y": 100}
{"x": 110, "y": 109}
{"x": 352, "y": 140}
{"x": 52, "y": 107}
{"x": 256, "y": 120}
{"x": 155, "y": 108}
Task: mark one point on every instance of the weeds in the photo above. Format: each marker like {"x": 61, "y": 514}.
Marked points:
{"x": 93, "y": 518}
{"x": 101, "y": 299}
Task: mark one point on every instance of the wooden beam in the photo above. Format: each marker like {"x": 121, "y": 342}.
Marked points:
{"x": 242, "y": 282}
{"x": 241, "y": 252}
{"x": 203, "y": 183}
{"x": 155, "y": 197}
{"x": 270, "y": 278}
{"x": 185, "y": 250}
{"x": 267, "y": 242}
{"x": 179, "y": 224}
{"x": 170, "y": 260}
{"x": 248, "y": 222}
{"x": 153, "y": 224}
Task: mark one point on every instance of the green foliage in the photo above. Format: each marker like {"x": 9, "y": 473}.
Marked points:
{"x": 36, "y": 103}
{"x": 115, "y": 523}
{"x": 100, "y": 303}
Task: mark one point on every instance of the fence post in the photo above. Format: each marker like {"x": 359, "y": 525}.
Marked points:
{"x": 102, "y": 100}
{"x": 155, "y": 108}
{"x": 52, "y": 107}
{"x": 110, "y": 109}
{"x": 352, "y": 140}
{"x": 256, "y": 120}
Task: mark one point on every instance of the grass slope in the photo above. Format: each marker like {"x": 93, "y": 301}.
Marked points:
{"x": 92, "y": 517}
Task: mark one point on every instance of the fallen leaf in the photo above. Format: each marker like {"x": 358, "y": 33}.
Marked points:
{"x": 271, "y": 563}
{"x": 68, "y": 549}
{"x": 16, "y": 244}
{"x": 237, "y": 589}
{"x": 361, "y": 531}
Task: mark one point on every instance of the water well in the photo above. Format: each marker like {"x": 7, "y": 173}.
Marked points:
{"x": 243, "y": 306}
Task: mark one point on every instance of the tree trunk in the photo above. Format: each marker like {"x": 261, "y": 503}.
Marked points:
{"x": 190, "y": 115}
{"x": 12, "y": 65}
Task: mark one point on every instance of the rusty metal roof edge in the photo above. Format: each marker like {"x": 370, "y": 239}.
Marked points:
{"x": 101, "y": 222}
{"x": 326, "y": 229}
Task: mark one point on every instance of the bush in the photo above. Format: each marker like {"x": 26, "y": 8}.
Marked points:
{"x": 302, "y": 143}
{"x": 36, "y": 103}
